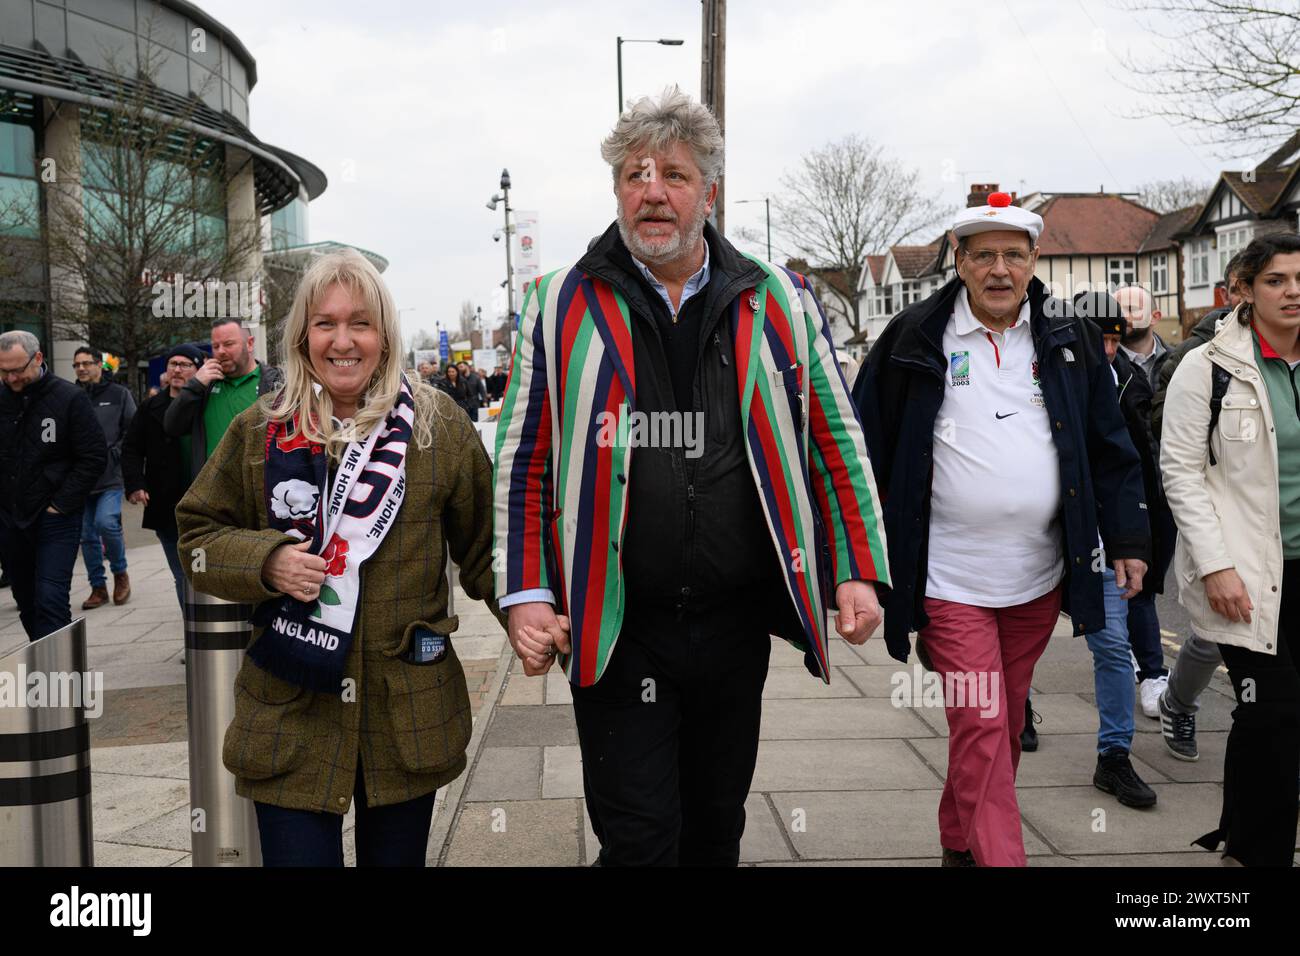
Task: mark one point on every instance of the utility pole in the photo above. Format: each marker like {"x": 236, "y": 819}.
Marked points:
{"x": 713, "y": 78}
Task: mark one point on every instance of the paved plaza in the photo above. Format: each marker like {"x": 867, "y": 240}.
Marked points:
{"x": 844, "y": 775}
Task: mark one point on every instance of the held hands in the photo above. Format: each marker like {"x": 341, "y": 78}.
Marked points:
{"x": 1227, "y": 594}
{"x": 140, "y": 497}
{"x": 209, "y": 372}
{"x": 537, "y": 634}
{"x": 1128, "y": 574}
{"x": 294, "y": 571}
{"x": 859, "y": 611}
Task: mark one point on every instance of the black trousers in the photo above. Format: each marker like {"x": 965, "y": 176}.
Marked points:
{"x": 1260, "y": 789}
{"x": 669, "y": 736}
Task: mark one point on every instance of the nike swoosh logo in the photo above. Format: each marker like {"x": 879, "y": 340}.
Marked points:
{"x": 1000, "y": 416}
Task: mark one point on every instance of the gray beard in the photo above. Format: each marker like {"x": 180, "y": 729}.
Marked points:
{"x": 662, "y": 253}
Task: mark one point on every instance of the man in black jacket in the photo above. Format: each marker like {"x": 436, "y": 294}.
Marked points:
{"x": 999, "y": 449}
{"x": 52, "y": 452}
{"x": 154, "y": 467}
{"x": 101, "y": 528}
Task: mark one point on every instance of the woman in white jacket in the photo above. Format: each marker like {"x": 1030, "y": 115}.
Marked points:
{"x": 1234, "y": 488}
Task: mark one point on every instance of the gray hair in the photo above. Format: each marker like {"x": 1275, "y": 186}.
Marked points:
{"x": 658, "y": 123}
{"x": 20, "y": 338}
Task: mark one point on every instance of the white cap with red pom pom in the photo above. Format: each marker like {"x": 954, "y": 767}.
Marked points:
{"x": 998, "y": 214}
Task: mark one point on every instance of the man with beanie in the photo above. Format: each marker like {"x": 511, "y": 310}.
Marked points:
{"x": 155, "y": 466}
{"x": 1000, "y": 452}
{"x": 101, "y": 526}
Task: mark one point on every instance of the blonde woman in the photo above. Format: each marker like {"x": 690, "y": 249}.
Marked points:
{"x": 327, "y": 505}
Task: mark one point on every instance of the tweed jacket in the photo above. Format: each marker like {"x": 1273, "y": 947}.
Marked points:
{"x": 561, "y": 491}
{"x": 409, "y": 724}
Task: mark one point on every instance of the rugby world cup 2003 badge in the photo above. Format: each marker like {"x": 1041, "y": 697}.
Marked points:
{"x": 959, "y": 368}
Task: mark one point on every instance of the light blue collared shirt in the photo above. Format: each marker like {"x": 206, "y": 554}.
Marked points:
{"x": 693, "y": 285}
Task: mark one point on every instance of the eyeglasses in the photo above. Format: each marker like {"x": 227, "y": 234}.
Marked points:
{"x": 180, "y": 364}
{"x": 84, "y": 364}
{"x": 984, "y": 258}
{"x": 7, "y": 372}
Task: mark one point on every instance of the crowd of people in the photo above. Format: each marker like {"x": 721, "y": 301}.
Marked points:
{"x": 1001, "y": 457}
{"x": 468, "y": 387}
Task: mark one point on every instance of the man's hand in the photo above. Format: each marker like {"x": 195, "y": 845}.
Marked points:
{"x": 294, "y": 571}
{"x": 1227, "y": 594}
{"x": 51, "y": 510}
{"x": 537, "y": 634}
{"x": 1128, "y": 574}
{"x": 140, "y": 497}
{"x": 859, "y": 611}
{"x": 210, "y": 372}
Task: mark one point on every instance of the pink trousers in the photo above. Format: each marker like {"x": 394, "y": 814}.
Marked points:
{"x": 987, "y": 657}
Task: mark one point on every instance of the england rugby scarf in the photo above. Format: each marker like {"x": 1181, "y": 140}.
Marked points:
{"x": 307, "y": 642}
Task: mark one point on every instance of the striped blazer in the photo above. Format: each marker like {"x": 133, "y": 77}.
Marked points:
{"x": 561, "y": 484}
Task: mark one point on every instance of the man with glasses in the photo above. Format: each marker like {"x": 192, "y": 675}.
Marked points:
{"x": 101, "y": 526}
{"x": 998, "y": 446}
{"x": 52, "y": 451}
{"x": 155, "y": 466}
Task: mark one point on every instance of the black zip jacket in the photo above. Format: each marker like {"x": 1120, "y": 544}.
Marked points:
{"x": 898, "y": 393}
{"x": 52, "y": 450}
{"x": 151, "y": 461}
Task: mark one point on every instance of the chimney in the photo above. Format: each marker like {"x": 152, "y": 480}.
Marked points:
{"x": 979, "y": 194}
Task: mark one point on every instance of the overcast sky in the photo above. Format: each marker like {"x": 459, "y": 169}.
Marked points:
{"x": 413, "y": 109}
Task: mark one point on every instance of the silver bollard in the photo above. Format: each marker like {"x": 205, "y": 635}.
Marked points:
{"x": 45, "y": 810}
{"x": 223, "y": 825}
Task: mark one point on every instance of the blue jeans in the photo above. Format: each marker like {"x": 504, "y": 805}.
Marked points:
{"x": 39, "y": 560}
{"x": 393, "y": 835}
{"x": 1144, "y": 636}
{"x": 168, "y": 540}
{"x": 103, "y": 520}
{"x": 1112, "y": 671}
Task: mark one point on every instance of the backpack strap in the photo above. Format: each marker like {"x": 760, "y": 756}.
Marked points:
{"x": 1218, "y": 388}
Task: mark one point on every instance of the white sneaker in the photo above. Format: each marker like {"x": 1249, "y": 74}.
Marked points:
{"x": 1149, "y": 691}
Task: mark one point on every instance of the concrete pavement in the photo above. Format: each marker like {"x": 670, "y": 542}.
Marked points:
{"x": 844, "y": 775}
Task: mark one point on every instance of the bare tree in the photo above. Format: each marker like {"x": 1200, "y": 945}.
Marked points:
{"x": 1170, "y": 195}
{"x": 1229, "y": 69}
{"x": 467, "y": 320}
{"x": 137, "y": 241}
{"x": 845, "y": 201}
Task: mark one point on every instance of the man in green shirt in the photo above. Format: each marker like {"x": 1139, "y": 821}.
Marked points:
{"x": 224, "y": 386}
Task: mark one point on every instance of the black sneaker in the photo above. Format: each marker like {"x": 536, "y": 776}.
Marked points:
{"x": 1179, "y": 731}
{"x": 1029, "y": 736}
{"x": 1115, "y": 774}
{"x": 958, "y": 858}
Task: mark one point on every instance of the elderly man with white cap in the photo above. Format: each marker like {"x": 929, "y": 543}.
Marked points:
{"x": 1002, "y": 458}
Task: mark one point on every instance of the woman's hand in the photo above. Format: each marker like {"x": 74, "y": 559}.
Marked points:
{"x": 292, "y": 570}
{"x": 1227, "y": 594}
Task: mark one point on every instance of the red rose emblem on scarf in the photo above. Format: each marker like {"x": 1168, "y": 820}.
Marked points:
{"x": 336, "y": 557}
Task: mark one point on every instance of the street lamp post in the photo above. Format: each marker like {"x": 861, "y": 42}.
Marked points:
{"x": 619, "y": 41}
{"x": 767, "y": 206}
{"x": 504, "y": 197}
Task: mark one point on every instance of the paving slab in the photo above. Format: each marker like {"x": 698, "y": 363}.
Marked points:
{"x": 763, "y": 840}
{"x": 868, "y": 825}
{"x": 562, "y": 772}
{"x": 120, "y": 854}
{"x": 522, "y": 690}
{"x": 170, "y": 760}
{"x": 838, "y": 718}
{"x": 839, "y": 765}
{"x": 506, "y": 773}
{"x": 1062, "y": 760}
{"x": 558, "y": 688}
{"x": 1212, "y": 746}
{"x": 795, "y": 682}
{"x": 517, "y": 833}
{"x": 169, "y": 831}
{"x": 1084, "y": 821}
{"x": 534, "y": 726}
{"x": 879, "y": 680}
{"x": 120, "y": 803}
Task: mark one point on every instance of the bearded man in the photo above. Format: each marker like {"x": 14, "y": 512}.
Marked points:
{"x": 751, "y": 509}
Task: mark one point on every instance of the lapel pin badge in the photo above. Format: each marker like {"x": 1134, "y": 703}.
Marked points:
{"x": 753, "y": 302}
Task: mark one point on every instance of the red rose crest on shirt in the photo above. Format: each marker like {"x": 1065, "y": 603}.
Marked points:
{"x": 336, "y": 557}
